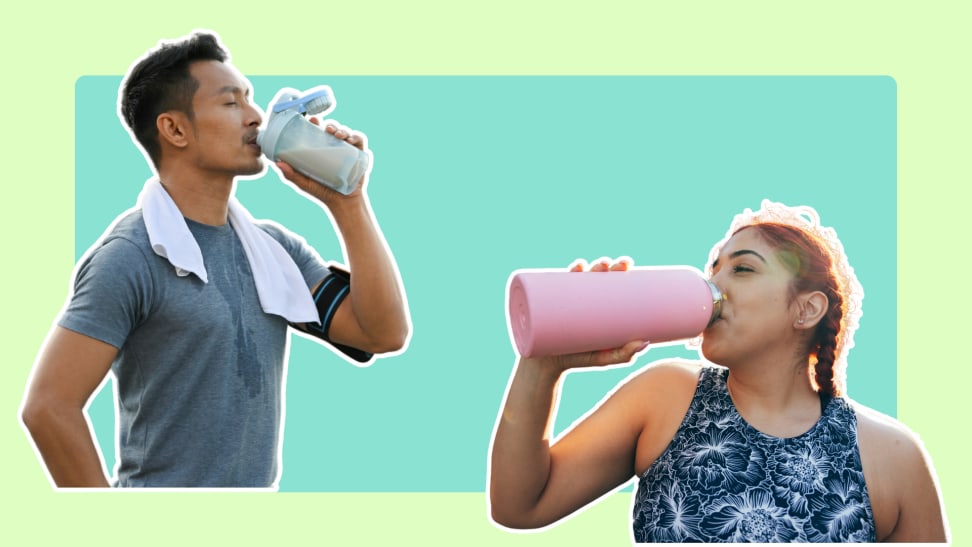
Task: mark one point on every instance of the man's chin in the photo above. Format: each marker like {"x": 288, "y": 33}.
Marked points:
{"x": 253, "y": 171}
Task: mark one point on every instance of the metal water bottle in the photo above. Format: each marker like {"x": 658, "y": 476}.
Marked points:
{"x": 561, "y": 312}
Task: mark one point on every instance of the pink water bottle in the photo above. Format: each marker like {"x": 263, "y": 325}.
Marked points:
{"x": 560, "y": 312}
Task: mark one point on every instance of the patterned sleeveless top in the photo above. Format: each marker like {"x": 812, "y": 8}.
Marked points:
{"x": 721, "y": 480}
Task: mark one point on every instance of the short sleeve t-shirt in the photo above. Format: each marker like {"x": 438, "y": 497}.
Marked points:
{"x": 200, "y": 366}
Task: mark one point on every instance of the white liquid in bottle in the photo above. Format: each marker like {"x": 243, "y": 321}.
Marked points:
{"x": 336, "y": 162}
{"x": 312, "y": 151}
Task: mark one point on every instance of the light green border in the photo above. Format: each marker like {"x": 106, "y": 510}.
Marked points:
{"x": 46, "y": 49}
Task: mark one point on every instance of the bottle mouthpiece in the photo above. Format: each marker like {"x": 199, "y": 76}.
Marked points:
{"x": 716, "y": 302}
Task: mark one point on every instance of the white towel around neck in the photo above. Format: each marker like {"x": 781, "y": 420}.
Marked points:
{"x": 279, "y": 283}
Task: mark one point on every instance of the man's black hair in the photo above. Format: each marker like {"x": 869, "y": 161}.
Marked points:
{"x": 161, "y": 82}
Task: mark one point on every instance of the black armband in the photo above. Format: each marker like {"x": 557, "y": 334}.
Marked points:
{"x": 327, "y": 298}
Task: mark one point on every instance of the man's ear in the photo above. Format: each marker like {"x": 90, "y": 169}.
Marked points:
{"x": 173, "y": 127}
{"x": 811, "y": 308}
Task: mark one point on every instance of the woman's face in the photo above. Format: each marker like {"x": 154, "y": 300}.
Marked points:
{"x": 758, "y": 315}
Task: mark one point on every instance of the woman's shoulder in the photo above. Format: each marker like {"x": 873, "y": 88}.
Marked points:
{"x": 663, "y": 383}
{"x": 900, "y": 478}
{"x": 670, "y": 372}
{"x": 885, "y": 443}
{"x": 657, "y": 392}
{"x": 661, "y": 393}
{"x": 880, "y": 430}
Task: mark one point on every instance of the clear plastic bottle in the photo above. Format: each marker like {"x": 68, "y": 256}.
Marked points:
{"x": 290, "y": 137}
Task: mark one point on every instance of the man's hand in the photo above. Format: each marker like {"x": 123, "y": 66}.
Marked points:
{"x": 374, "y": 316}
{"x": 326, "y": 195}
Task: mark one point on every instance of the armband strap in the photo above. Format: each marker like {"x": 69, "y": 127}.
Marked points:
{"x": 327, "y": 298}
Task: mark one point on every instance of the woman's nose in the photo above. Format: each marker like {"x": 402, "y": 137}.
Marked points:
{"x": 716, "y": 280}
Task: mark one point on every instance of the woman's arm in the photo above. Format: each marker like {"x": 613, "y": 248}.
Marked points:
{"x": 901, "y": 481}
{"x": 532, "y": 484}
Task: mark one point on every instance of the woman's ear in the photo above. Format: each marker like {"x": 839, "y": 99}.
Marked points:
{"x": 811, "y": 308}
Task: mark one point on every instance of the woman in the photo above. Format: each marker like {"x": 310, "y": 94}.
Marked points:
{"x": 762, "y": 447}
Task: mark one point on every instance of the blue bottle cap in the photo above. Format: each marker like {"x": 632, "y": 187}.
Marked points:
{"x": 315, "y": 101}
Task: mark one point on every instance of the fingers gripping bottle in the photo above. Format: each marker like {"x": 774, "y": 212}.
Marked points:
{"x": 290, "y": 137}
{"x": 560, "y": 312}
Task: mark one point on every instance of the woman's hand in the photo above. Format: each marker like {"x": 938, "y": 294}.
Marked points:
{"x": 532, "y": 484}
{"x": 606, "y": 357}
{"x": 603, "y": 264}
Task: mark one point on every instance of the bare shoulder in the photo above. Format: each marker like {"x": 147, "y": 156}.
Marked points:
{"x": 884, "y": 435}
{"x": 663, "y": 392}
{"x": 901, "y": 480}
{"x": 656, "y": 390}
{"x": 888, "y": 448}
{"x": 669, "y": 374}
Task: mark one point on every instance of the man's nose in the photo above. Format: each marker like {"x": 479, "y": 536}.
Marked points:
{"x": 255, "y": 115}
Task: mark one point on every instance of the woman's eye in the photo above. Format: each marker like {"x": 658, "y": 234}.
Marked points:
{"x": 740, "y": 268}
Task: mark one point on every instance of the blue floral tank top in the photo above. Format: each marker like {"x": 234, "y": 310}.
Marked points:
{"x": 721, "y": 480}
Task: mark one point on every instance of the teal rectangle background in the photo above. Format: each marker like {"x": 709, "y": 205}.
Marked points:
{"x": 477, "y": 176}
{"x": 921, "y": 46}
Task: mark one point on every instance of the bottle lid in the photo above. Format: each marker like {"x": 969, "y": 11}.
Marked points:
{"x": 313, "y": 102}
{"x": 716, "y": 302}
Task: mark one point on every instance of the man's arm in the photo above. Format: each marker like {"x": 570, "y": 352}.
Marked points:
{"x": 69, "y": 369}
{"x": 373, "y": 317}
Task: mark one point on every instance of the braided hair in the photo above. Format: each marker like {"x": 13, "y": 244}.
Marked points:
{"x": 812, "y": 270}
{"x": 815, "y": 258}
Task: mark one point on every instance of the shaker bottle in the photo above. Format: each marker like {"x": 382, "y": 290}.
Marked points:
{"x": 290, "y": 137}
{"x": 561, "y": 312}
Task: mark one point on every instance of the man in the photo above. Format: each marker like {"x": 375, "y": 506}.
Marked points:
{"x": 187, "y": 300}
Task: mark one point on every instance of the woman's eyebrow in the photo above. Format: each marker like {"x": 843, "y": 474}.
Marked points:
{"x": 741, "y": 252}
{"x": 747, "y": 252}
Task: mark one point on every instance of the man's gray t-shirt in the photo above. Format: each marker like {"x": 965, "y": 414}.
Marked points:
{"x": 200, "y": 366}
